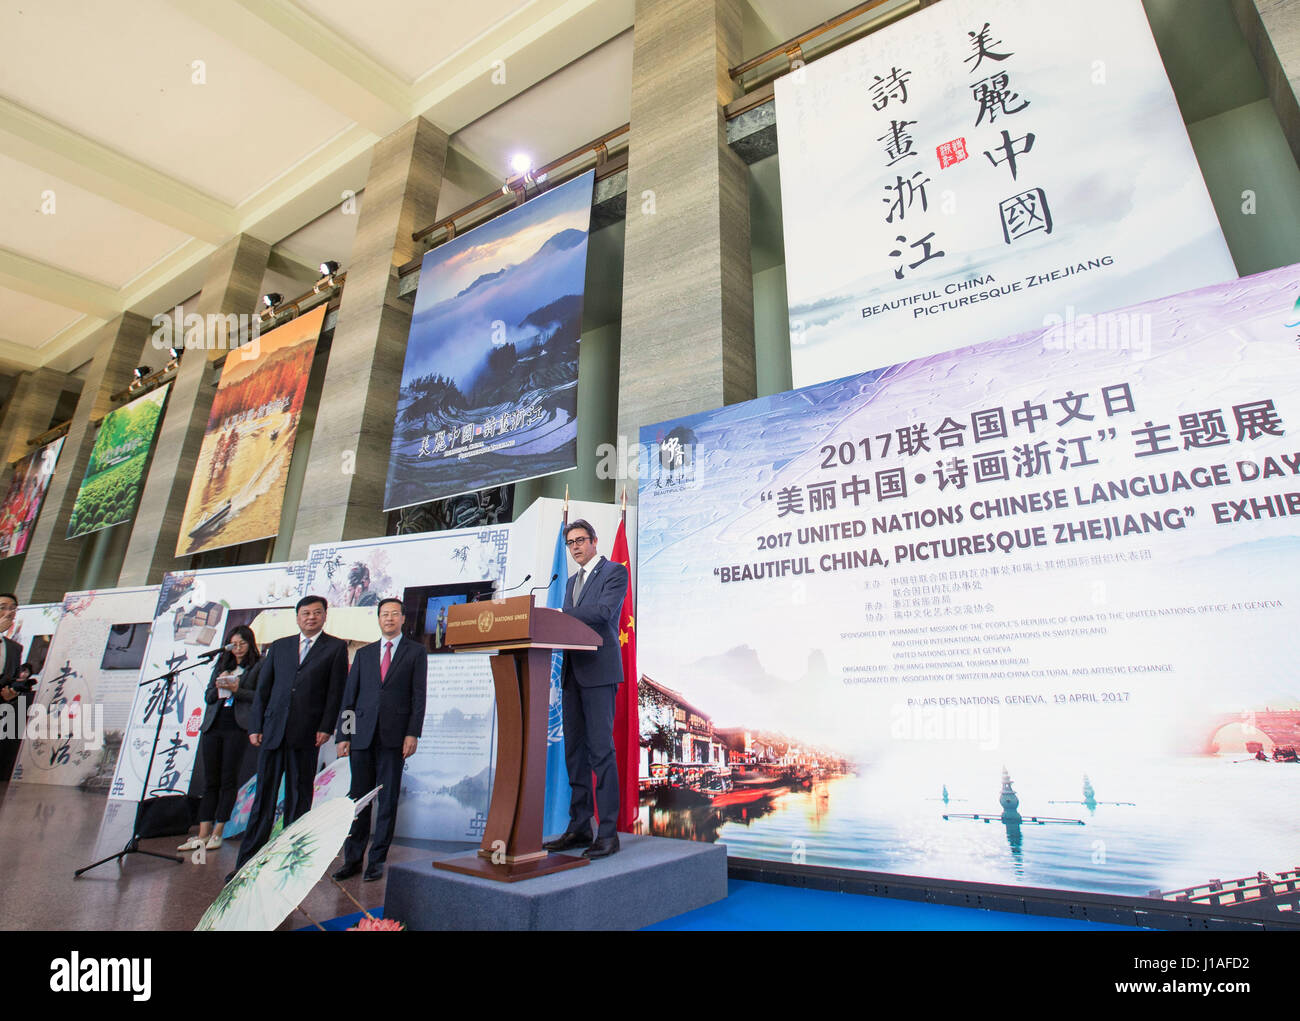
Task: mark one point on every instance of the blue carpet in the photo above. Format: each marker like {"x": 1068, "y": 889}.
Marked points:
{"x": 751, "y": 905}
{"x": 343, "y": 922}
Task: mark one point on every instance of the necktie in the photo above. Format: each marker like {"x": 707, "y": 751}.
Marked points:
{"x": 577, "y": 585}
{"x": 306, "y": 648}
{"x": 386, "y": 662}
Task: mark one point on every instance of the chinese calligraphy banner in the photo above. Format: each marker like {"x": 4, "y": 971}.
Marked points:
{"x": 114, "y": 475}
{"x": 237, "y": 492}
{"x": 490, "y": 384}
{"x": 193, "y": 612}
{"x": 982, "y": 168}
{"x": 22, "y": 503}
{"x": 445, "y": 784}
{"x": 1020, "y": 613}
{"x": 76, "y": 721}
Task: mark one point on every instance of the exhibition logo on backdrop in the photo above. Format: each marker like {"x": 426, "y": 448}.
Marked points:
{"x": 115, "y": 475}
{"x": 22, "y": 502}
{"x": 490, "y": 383}
{"x": 1019, "y": 613}
{"x": 977, "y": 168}
{"x": 238, "y": 488}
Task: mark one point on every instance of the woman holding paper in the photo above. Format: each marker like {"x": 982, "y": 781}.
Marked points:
{"x": 225, "y": 734}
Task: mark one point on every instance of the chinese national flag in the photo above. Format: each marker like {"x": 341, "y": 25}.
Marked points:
{"x": 627, "y": 725}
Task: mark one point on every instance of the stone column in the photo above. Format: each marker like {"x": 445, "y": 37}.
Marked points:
{"x": 51, "y": 558}
{"x": 28, "y": 413}
{"x": 1272, "y": 31}
{"x": 231, "y": 284}
{"x": 688, "y": 314}
{"x": 343, "y": 490}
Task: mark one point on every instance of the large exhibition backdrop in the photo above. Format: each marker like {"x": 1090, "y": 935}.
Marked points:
{"x": 114, "y": 475}
{"x": 490, "y": 384}
{"x": 1021, "y": 613}
{"x": 80, "y": 710}
{"x": 446, "y": 783}
{"x": 977, "y": 169}
{"x": 22, "y": 502}
{"x": 238, "y": 488}
{"x": 193, "y": 612}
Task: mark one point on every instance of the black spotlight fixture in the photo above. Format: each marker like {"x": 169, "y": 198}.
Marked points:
{"x": 269, "y": 301}
{"x": 329, "y": 268}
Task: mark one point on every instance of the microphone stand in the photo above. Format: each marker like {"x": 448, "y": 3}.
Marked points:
{"x": 133, "y": 845}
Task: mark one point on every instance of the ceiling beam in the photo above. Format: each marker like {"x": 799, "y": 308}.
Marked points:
{"x": 41, "y": 143}
{"x": 57, "y": 286}
{"x": 533, "y": 43}
{"x": 303, "y": 49}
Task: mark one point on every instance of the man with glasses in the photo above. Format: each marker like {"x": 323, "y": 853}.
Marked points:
{"x": 594, "y": 596}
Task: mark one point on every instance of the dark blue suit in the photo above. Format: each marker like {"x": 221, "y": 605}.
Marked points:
{"x": 591, "y": 681}
{"x": 294, "y": 702}
{"x": 376, "y": 718}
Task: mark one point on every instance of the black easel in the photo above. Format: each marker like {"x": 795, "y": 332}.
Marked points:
{"x": 133, "y": 845}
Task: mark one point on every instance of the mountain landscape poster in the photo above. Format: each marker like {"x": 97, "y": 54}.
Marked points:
{"x": 238, "y": 488}
{"x": 111, "y": 486}
{"x": 490, "y": 384}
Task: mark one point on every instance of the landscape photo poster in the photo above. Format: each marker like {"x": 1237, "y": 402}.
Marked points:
{"x": 1017, "y": 614}
{"x": 237, "y": 492}
{"x": 80, "y": 709}
{"x": 22, "y": 502}
{"x": 490, "y": 384}
{"x": 114, "y": 475}
{"x": 978, "y": 169}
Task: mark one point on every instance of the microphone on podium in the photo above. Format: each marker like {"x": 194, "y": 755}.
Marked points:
{"x": 538, "y": 588}
{"x": 495, "y": 595}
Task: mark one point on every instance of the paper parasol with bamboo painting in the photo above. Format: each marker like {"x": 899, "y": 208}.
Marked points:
{"x": 237, "y": 491}
{"x": 274, "y": 882}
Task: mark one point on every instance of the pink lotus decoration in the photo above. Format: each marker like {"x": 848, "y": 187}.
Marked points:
{"x": 369, "y": 924}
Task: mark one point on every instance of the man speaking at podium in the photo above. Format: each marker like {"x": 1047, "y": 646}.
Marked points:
{"x": 594, "y": 596}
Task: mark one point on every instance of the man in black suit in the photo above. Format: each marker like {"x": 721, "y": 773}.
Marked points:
{"x": 299, "y": 688}
{"x": 12, "y": 695}
{"x": 594, "y": 596}
{"x": 379, "y": 728}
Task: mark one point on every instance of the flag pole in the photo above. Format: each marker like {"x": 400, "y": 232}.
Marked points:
{"x": 623, "y": 511}
{"x": 566, "y": 504}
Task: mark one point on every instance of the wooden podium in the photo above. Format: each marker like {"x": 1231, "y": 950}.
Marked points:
{"x": 521, "y": 638}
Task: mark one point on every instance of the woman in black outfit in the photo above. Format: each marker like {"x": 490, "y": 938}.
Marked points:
{"x": 225, "y": 734}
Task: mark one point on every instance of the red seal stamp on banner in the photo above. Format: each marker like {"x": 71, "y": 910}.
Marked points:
{"x": 951, "y": 152}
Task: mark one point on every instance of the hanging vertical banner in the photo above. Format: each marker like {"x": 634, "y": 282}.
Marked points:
{"x": 1021, "y": 613}
{"x": 193, "y": 613}
{"x": 115, "y": 475}
{"x": 490, "y": 384}
{"x": 79, "y": 713}
{"x": 22, "y": 502}
{"x": 238, "y": 488}
{"x": 981, "y": 168}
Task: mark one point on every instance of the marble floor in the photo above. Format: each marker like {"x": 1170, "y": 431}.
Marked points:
{"x": 46, "y": 833}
